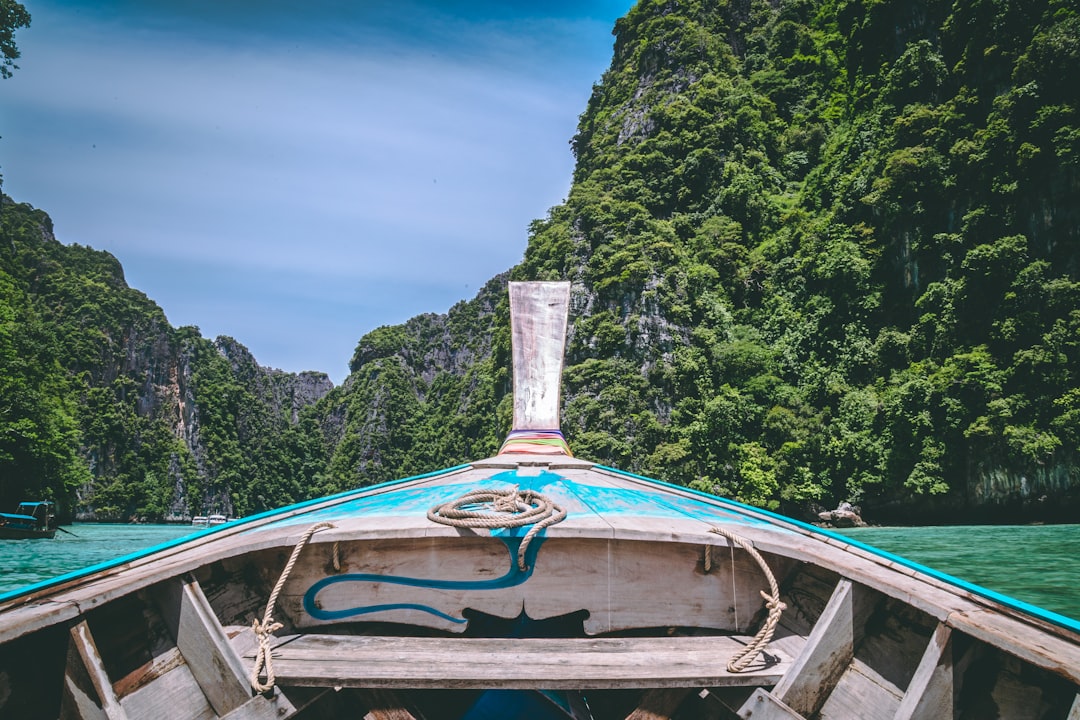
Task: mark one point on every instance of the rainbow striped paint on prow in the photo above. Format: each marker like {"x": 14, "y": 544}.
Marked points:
{"x": 535, "y": 442}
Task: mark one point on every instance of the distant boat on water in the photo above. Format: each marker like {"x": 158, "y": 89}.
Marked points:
{"x": 31, "y": 520}
{"x": 210, "y": 520}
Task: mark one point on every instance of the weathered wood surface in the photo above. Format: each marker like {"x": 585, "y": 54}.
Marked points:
{"x": 426, "y": 582}
{"x": 86, "y": 652}
{"x": 175, "y": 695}
{"x": 859, "y": 693}
{"x": 929, "y": 695}
{"x": 828, "y": 652}
{"x": 538, "y": 314}
{"x": 763, "y": 705}
{"x": 530, "y": 663}
{"x": 206, "y": 650}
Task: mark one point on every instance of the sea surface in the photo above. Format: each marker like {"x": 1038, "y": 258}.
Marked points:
{"x": 25, "y": 562}
{"x": 1039, "y": 564}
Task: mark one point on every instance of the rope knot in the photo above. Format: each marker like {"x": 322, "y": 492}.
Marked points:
{"x": 772, "y": 603}
{"x": 505, "y": 509}
{"x": 264, "y": 630}
{"x": 740, "y": 660}
{"x": 508, "y": 501}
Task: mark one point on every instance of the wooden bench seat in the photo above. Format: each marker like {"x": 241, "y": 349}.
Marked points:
{"x": 517, "y": 663}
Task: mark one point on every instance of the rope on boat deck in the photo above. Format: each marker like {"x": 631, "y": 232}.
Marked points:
{"x": 509, "y": 509}
{"x": 740, "y": 660}
{"x": 264, "y": 630}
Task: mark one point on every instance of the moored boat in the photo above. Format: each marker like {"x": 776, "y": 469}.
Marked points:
{"x": 31, "y": 520}
{"x": 529, "y": 584}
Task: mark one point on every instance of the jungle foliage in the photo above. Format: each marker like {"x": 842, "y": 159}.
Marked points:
{"x": 821, "y": 250}
{"x": 108, "y": 410}
{"x": 829, "y": 251}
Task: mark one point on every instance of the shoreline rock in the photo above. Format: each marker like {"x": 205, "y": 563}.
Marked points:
{"x": 845, "y": 515}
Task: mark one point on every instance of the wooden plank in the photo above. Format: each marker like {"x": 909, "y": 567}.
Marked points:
{"x": 435, "y": 580}
{"x": 1074, "y": 713}
{"x": 216, "y": 667}
{"x": 862, "y": 693}
{"x": 828, "y": 652}
{"x": 83, "y": 643}
{"x": 763, "y": 705}
{"x": 929, "y": 695}
{"x": 79, "y": 700}
{"x": 659, "y": 704}
{"x": 530, "y": 663}
{"x": 175, "y": 695}
{"x": 538, "y": 315}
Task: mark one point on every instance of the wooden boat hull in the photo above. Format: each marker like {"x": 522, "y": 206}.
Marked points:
{"x": 32, "y": 520}
{"x": 616, "y": 608}
{"x": 10, "y": 533}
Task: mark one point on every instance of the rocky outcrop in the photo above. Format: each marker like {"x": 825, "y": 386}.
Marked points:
{"x": 845, "y": 515}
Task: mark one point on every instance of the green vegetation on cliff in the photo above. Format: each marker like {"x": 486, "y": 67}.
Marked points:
{"x": 829, "y": 250}
{"x": 821, "y": 250}
{"x": 107, "y": 409}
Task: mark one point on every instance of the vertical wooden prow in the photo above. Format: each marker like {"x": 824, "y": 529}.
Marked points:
{"x": 538, "y": 317}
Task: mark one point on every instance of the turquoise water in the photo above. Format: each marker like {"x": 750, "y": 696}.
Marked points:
{"x": 24, "y": 562}
{"x": 1039, "y": 564}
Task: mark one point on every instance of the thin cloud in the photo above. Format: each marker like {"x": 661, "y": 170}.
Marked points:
{"x": 380, "y": 159}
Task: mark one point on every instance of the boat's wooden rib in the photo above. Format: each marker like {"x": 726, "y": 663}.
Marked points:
{"x": 85, "y": 674}
{"x": 763, "y": 705}
{"x": 829, "y": 650}
{"x": 930, "y": 693}
{"x": 1074, "y": 713}
{"x": 520, "y": 663}
{"x": 216, "y": 667}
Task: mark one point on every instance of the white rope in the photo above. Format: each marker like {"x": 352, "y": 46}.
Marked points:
{"x": 264, "y": 630}
{"x": 509, "y": 508}
{"x": 740, "y": 660}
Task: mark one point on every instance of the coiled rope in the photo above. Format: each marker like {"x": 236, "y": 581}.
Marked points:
{"x": 264, "y": 630}
{"x": 740, "y": 660}
{"x": 505, "y": 509}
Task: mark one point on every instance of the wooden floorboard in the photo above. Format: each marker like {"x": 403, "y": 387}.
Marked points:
{"x": 532, "y": 663}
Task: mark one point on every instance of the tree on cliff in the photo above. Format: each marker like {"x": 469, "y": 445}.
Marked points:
{"x": 12, "y": 17}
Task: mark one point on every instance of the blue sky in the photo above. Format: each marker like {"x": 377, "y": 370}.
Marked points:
{"x": 297, "y": 174}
